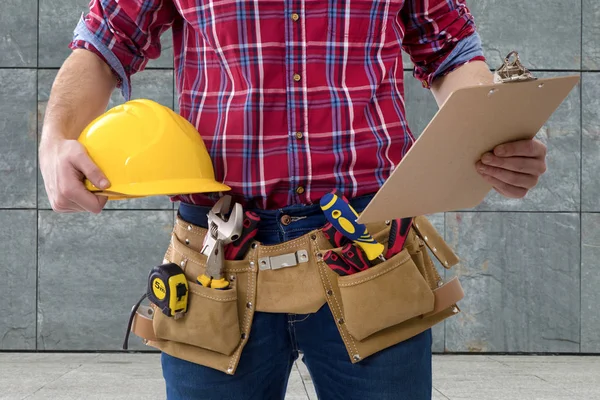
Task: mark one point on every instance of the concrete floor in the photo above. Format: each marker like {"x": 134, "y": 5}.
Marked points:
{"x": 54, "y": 376}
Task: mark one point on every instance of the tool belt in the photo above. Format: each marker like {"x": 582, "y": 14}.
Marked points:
{"x": 373, "y": 309}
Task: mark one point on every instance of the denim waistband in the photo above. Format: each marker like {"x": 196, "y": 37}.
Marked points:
{"x": 304, "y": 216}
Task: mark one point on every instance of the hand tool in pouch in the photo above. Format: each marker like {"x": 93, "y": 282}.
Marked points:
{"x": 335, "y": 237}
{"x": 168, "y": 289}
{"x": 343, "y": 217}
{"x": 237, "y": 250}
{"x": 398, "y": 233}
{"x": 354, "y": 257}
{"x": 337, "y": 264}
{"x": 221, "y": 231}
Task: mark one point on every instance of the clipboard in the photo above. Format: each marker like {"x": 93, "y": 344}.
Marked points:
{"x": 438, "y": 172}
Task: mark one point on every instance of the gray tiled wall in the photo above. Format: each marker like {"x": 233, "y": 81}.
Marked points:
{"x": 529, "y": 267}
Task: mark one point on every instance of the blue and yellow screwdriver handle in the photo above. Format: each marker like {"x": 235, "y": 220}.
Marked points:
{"x": 343, "y": 217}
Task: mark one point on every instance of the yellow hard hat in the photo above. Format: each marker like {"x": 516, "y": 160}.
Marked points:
{"x": 146, "y": 149}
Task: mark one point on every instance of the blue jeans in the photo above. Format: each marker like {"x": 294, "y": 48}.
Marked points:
{"x": 400, "y": 372}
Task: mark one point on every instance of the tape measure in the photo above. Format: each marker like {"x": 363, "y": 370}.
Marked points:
{"x": 168, "y": 289}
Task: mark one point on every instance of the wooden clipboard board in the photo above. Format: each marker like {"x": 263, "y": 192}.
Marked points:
{"x": 438, "y": 173}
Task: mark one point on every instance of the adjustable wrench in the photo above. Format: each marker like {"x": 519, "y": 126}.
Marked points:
{"x": 221, "y": 231}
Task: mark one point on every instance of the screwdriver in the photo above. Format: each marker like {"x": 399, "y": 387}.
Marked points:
{"x": 398, "y": 233}
{"x": 343, "y": 217}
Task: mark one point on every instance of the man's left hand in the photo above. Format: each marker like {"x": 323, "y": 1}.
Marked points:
{"x": 514, "y": 168}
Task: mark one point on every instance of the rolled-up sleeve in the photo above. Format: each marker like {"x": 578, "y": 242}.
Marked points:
{"x": 125, "y": 34}
{"x": 440, "y": 35}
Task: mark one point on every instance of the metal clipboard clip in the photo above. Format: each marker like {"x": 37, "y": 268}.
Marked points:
{"x": 512, "y": 70}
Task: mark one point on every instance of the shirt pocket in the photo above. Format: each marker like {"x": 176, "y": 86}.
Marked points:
{"x": 357, "y": 20}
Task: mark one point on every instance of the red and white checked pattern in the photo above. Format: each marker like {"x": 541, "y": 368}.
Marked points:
{"x": 293, "y": 98}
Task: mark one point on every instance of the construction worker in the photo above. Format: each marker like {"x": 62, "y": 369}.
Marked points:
{"x": 293, "y": 99}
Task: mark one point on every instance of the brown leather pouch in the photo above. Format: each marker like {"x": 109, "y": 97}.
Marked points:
{"x": 389, "y": 317}
{"x": 373, "y": 309}
{"x": 384, "y": 295}
{"x": 216, "y": 326}
{"x": 290, "y": 289}
{"x": 211, "y": 321}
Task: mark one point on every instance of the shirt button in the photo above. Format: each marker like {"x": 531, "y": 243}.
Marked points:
{"x": 295, "y": 17}
{"x": 299, "y": 135}
{"x": 297, "y": 77}
{"x": 286, "y": 219}
{"x": 299, "y": 190}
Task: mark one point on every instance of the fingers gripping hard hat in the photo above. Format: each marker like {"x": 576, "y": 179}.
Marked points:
{"x": 146, "y": 149}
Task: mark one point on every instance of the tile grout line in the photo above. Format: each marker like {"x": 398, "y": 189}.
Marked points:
{"x": 580, "y": 173}
{"x": 441, "y": 393}
{"x": 37, "y": 177}
{"x": 556, "y": 386}
{"x": 55, "y": 380}
{"x": 302, "y": 380}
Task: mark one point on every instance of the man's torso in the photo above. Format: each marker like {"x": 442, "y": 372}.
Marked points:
{"x": 293, "y": 99}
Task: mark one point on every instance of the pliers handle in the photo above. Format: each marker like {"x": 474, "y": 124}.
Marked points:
{"x": 209, "y": 282}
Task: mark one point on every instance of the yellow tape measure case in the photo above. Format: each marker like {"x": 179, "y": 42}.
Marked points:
{"x": 168, "y": 289}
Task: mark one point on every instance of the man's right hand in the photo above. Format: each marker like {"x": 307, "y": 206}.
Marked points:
{"x": 80, "y": 93}
{"x": 64, "y": 165}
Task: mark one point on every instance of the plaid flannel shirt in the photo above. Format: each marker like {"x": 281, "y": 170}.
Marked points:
{"x": 293, "y": 98}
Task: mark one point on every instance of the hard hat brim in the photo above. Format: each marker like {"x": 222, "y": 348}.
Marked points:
{"x": 167, "y": 188}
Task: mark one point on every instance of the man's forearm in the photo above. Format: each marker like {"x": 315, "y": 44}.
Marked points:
{"x": 80, "y": 93}
{"x": 470, "y": 74}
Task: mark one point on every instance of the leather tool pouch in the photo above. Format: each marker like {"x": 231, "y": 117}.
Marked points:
{"x": 384, "y": 295}
{"x": 373, "y": 309}
{"x": 216, "y": 326}
{"x": 212, "y": 316}
{"x": 288, "y": 283}
{"x": 396, "y": 299}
